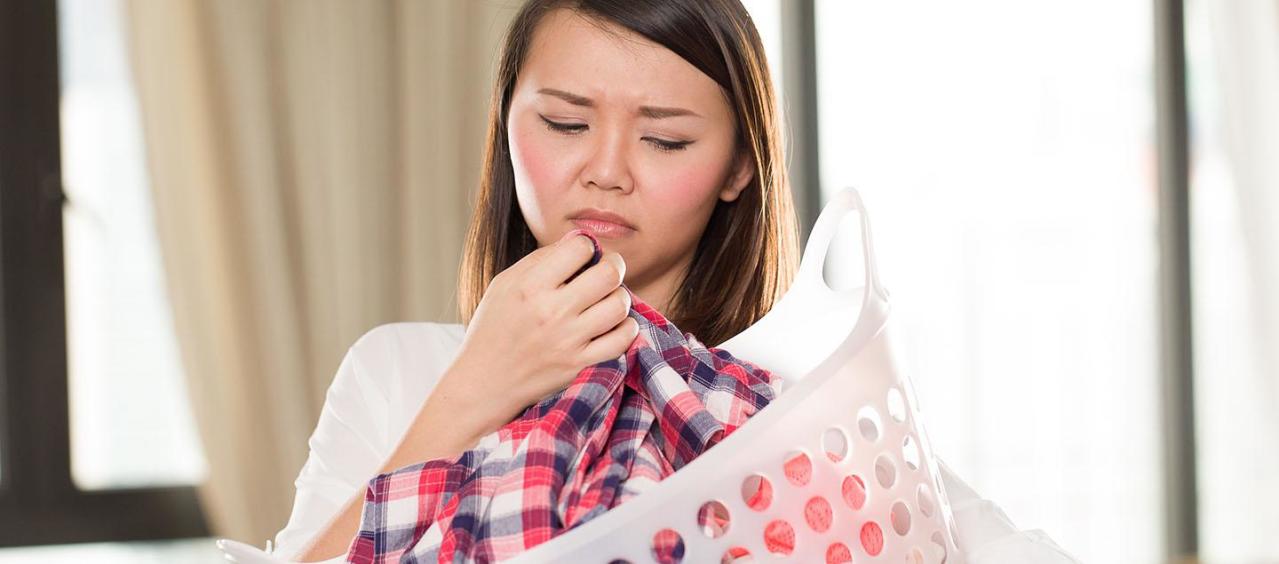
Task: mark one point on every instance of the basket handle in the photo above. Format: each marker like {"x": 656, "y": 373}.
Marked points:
{"x": 819, "y": 240}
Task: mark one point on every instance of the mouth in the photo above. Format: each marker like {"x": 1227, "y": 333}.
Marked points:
{"x": 602, "y": 223}
{"x": 603, "y": 228}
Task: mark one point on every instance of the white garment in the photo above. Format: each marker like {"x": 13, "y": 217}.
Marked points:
{"x": 388, "y": 373}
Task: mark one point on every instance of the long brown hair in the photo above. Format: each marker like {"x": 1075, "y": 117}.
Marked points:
{"x": 748, "y": 253}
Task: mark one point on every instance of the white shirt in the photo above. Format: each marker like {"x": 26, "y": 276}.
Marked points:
{"x": 389, "y": 372}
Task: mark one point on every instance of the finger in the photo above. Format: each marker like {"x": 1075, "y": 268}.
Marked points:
{"x": 604, "y": 314}
{"x": 561, "y": 260}
{"x": 611, "y": 344}
{"x": 596, "y": 282}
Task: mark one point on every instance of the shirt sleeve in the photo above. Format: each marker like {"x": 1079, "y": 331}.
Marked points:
{"x": 350, "y": 440}
{"x": 988, "y": 536}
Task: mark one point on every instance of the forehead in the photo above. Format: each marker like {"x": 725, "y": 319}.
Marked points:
{"x": 613, "y": 66}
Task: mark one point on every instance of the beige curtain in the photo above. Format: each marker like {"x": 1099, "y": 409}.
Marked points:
{"x": 313, "y": 164}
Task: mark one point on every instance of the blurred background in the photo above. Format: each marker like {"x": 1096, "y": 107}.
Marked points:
{"x": 1076, "y": 207}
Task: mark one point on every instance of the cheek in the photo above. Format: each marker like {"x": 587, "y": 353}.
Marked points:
{"x": 529, "y": 155}
{"x": 686, "y": 193}
{"x": 680, "y": 201}
{"x": 539, "y": 175}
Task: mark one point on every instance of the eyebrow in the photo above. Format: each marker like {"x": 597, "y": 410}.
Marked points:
{"x": 651, "y": 112}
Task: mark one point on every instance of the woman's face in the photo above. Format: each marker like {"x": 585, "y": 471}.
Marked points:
{"x": 614, "y": 122}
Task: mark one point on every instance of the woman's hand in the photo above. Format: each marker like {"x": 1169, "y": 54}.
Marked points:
{"x": 530, "y": 335}
{"x": 534, "y": 329}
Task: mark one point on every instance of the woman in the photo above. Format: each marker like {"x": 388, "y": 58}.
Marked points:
{"x": 650, "y": 123}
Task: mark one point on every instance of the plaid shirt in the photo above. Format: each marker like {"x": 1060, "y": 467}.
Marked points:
{"x": 617, "y": 430}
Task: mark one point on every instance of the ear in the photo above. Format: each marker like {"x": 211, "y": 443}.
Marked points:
{"x": 742, "y": 173}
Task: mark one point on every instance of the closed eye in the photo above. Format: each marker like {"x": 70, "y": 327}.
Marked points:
{"x": 564, "y": 127}
{"x": 576, "y": 128}
{"x": 668, "y": 145}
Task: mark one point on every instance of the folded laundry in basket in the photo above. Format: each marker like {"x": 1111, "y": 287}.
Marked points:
{"x": 615, "y": 431}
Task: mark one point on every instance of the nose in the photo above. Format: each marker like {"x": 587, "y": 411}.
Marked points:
{"x": 607, "y": 167}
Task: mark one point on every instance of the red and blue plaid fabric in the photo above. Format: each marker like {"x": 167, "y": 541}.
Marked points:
{"x": 615, "y": 431}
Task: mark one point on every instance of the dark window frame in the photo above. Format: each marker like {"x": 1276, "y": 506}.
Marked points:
{"x": 1176, "y": 330}
{"x": 39, "y": 502}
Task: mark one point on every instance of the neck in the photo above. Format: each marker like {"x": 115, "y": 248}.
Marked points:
{"x": 659, "y": 291}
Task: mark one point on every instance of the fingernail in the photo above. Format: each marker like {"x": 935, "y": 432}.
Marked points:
{"x": 592, "y": 241}
{"x": 573, "y": 232}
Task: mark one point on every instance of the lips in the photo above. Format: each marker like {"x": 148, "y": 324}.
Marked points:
{"x": 603, "y": 228}
{"x": 602, "y": 223}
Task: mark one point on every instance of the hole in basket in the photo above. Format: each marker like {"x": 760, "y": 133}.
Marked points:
{"x": 872, "y": 538}
{"x": 838, "y": 553}
{"x": 854, "y": 490}
{"x": 916, "y": 556}
{"x": 817, "y": 513}
{"x": 835, "y": 444}
{"x": 736, "y": 555}
{"x": 798, "y": 468}
{"x": 896, "y": 405}
{"x": 900, "y": 518}
{"x": 713, "y": 517}
{"x": 885, "y": 471}
{"x": 925, "y": 500}
{"x": 910, "y": 452}
{"x": 757, "y": 492}
{"x": 868, "y": 423}
{"x": 668, "y": 547}
{"x": 779, "y": 537}
{"x": 619, "y": 561}
{"x": 939, "y": 547}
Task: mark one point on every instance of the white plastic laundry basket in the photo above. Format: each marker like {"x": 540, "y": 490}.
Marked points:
{"x": 847, "y": 416}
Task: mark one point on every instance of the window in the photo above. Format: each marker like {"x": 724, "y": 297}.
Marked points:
{"x": 131, "y": 423}
{"x": 1005, "y": 150}
{"x": 95, "y": 446}
{"x": 1233, "y": 74}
